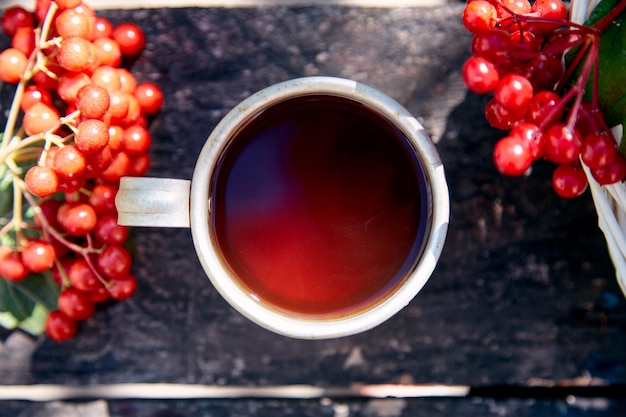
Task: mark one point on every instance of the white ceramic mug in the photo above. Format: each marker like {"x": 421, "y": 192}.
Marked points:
{"x": 161, "y": 202}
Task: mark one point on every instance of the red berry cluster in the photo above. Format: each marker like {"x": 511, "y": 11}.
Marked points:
{"x": 84, "y": 126}
{"x": 518, "y": 53}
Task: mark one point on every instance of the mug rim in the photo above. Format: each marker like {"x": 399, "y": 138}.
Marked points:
{"x": 303, "y": 327}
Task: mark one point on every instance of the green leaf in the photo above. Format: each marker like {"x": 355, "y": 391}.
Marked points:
{"x": 6, "y": 192}
{"x": 42, "y": 289}
{"x": 36, "y": 323}
{"x": 601, "y": 10}
{"x": 14, "y": 301}
{"x": 25, "y": 304}
{"x": 612, "y": 65}
{"x": 8, "y": 321}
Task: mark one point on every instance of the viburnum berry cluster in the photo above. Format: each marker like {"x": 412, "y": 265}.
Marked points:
{"x": 537, "y": 66}
{"x": 77, "y": 124}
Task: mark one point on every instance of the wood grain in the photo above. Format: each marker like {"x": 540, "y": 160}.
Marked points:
{"x": 524, "y": 292}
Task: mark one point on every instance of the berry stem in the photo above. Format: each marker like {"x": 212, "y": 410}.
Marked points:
{"x": 584, "y": 47}
{"x": 7, "y": 228}
{"x": 20, "y": 144}
{"x": 46, "y": 225}
{"x": 16, "y": 145}
{"x": 590, "y": 62}
{"x": 93, "y": 268}
{"x": 47, "y": 22}
{"x": 65, "y": 280}
{"x": 17, "y": 213}
{"x": 80, "y": 250}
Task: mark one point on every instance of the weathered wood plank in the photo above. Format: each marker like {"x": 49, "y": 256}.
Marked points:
{"x": 524, "y": 291}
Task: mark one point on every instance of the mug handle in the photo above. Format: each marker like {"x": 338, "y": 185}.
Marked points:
{"x": 153, "y": 202}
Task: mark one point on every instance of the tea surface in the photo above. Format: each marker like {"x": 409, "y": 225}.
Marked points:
{"x": 318, "y": 207}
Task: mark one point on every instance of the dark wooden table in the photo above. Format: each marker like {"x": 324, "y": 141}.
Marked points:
{"x": 525, "y": 292}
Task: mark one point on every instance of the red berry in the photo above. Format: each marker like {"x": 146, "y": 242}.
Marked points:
{"x": 35, "y": 94}
{"x": 614, "y": 172}
{"x": 569, "y": 180}
{"x": 70, "y": 185}
{"x": 102, "y": 198}
{"x": 544, "y": 105}
{"x": 512, "y": 155}
{"x": 548, "y": 9}
{"x": 514, "y": 93}
{"x": 69, "y": 162}
{"x": 92, "y": 136}
{"x": 546, "y": 72}
{"x": 106, "y": 77}
{"x": 118, "y": 168}
{"x": 139, "y": 165}
{"x": 75, "y": 304}
{"x": 42, "y": 181}
{"x": 480, "y": 75}
{"x": 98, "y": 162}
{"x": 116, "y": 138}
{"x": 99, "y": 295}
{"x": 123, "y": 287}
{"x": 109, "y": 232}
{"x": 69, "y": 85}
{"x": 81, "y": 7}
{"x": 493, "y": 116}
{"x": 24, "y": 40}
{"x": 71, "y": 22}
{"x": 118, "y": 108}
{"x": 561, "y": 144}
{"x": 93, "y": 101}
{"x": 49, "y": 209}
{"x": 479, "y": 16}
{"x": 13, "y": 63}
{"x": 114, "y": 261}
{"x": 68, "y": 4}
{"x": 76, "y": 54}
{"x": 493, "y": 45}
{"x": 103, "y": 28}
{"x": 128, "y": 82}
{"x": 133, "y": 115}
{"x": 501, "y": 118}
{"x": 130, "y": 38}
{"x": 598, "y": 150}
{"x": 38, "y": 255}
{"x": 589, "y": 119}
{"x": 44, "y": 80}
{"x": 108, "y": 52}
{"x": 59, "y": 327}
{"x": 81, "y": 276}
{"x": 39, "y": 118}
{"x": 15, "y": 17}
{"x": 524, "y": 41}
{"x": 137, "y": 140}
{"x": 532, "y": 135}
{"x": 49, "y": 156}
{"x": 77, "y": 219}
{"x": 515, "y": 6}
{"x": 11, "y": 265}
{"x": 150, "y": 97}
